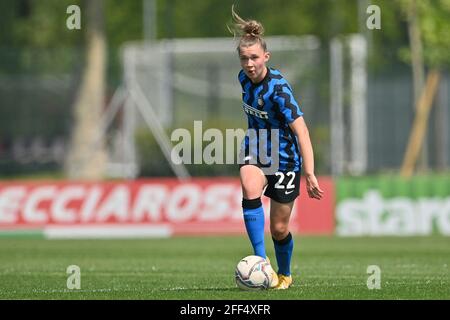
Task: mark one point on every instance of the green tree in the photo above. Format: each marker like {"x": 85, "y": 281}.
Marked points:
{"x": 86, "y": 158}
{"x": 430, "y": 47}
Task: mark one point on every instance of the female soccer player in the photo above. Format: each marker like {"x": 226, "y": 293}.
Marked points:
{"x": 269, "y": 103}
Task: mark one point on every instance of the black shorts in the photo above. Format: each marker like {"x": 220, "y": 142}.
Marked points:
{"x": 283, "y": 186}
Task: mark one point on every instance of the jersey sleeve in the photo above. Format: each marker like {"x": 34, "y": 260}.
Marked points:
{"x": 289, "y": 107}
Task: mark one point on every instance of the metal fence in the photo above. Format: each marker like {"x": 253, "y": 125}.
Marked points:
{"x": 391, "y": 114}
{"x": 187, "y": 81}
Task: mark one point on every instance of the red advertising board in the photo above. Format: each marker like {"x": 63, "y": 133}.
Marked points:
{"x": 147, "y": 207}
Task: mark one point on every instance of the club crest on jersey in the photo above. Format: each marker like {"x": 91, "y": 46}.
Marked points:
{"x": 255, "y": 112}
{"x": 260, "y": 101}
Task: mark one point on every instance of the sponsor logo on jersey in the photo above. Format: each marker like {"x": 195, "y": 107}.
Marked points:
{"x": 255, "y": 112}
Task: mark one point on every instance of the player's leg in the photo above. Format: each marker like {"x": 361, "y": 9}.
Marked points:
{"x": 280, "y": 214}
{"x": 253, "y": 182}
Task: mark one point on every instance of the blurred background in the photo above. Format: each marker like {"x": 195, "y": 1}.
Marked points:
{"x": 91, "y": 92}
{"x": 67, "y": 107}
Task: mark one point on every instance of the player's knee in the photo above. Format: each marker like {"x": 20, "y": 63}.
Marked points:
{"x": 279, "y": 230}
{"x": 252, "y": 182}
{"x": 251, "y": 191}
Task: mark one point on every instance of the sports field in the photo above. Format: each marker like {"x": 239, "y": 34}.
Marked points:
{"x": 203, "y": 268}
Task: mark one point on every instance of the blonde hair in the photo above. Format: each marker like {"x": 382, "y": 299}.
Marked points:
{"x": 250, "y": 31}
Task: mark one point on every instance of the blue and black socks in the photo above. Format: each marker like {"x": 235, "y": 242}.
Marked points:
{"x": 254, "y": 223}
{"x": 283, "y": 252}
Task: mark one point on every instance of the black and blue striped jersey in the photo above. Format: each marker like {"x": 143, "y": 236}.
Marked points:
{"x": 270, "y": 105}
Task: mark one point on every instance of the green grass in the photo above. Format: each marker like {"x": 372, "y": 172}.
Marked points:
{"x": 203, "y": 268}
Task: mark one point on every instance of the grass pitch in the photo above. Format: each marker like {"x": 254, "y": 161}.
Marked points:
{"x": 203, "y": 268}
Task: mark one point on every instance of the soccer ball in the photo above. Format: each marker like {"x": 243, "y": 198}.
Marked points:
{"x": 253, "y": 273}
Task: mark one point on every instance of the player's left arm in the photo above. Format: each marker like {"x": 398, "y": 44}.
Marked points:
{"x": 293, "y": 115}
{"x": 300, "y": 129}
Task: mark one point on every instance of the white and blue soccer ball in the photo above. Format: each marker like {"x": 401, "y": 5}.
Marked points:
{"x": 253, "y": 273}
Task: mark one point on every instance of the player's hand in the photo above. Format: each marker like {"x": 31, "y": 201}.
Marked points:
{"x": 312, "y": 186}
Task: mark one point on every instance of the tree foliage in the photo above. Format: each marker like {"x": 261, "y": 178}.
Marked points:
{"x": 41, "y": 24}
{"x": 434, "y": 23}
